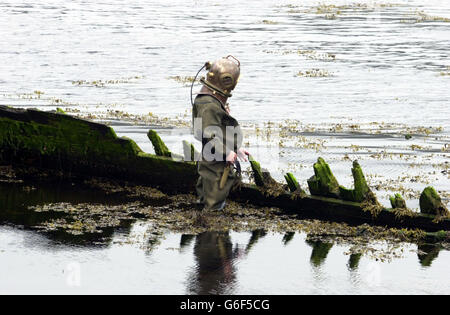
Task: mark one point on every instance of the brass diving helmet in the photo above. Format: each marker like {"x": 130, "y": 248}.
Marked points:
{"x": 223, "y": 75}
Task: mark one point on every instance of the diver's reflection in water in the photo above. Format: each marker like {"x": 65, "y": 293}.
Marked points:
{"x": 215, "y": 272}
{"x": 186, "y": 240}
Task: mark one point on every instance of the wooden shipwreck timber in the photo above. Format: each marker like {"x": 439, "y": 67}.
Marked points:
{"x": 59, "y": 142}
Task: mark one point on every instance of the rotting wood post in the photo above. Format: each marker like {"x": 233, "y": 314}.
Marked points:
{"x": 361, "y": 189}
{"x": 189, "y": 151}
{"x": 256, "y": 170}
{"x": 431, "y": 203}
{"x": 323, "y": 183}
{"x": 292, "y": 182}
{"x": 397, "y": 201}
{"x": 158, "y": 144}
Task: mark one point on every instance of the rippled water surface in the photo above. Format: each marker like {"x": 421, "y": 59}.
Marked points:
{"x": 209, "y": 263}
{"x": 130, "y": 260}
{"x": 344, "y": 81}
{"x": 383, "y": 74}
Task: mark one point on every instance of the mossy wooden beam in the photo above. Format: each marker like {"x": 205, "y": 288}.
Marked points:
{"x": 75, "y": 146}
{"x": 257, "y": 172}
{"x": 32, "y": 139}
{"x": 397, "y": 201}
{"x": 292, "y": 182}
{"x": 189, "y": 152}
{"x": 158, "y": 144}
{"x": 361, "y": 188}
{"x": 436, "y": 237}
{"x": 431, "y": 203}
{"x": 323, "y": 183}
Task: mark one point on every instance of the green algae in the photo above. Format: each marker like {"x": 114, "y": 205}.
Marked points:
{"x": 292, "y": 182}
{"x": 359, "y": 193}
{"x": 399, "y": 207}
{"x": 397, "y": 201}
{"x": 148, "y": 166}
{"x": 62, "y": 142}
{"x": 431, "y": 203}
{"x": 158, "y": 144}
{"x": 263, "y": 179}
{"x": 256, "y": 171}
{"x": 189, "y": 151}
{"x": 323, "y": 183}
{"x": 361, "y": 187}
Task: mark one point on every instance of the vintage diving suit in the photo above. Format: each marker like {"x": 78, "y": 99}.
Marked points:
{"x": 213, "y": 114}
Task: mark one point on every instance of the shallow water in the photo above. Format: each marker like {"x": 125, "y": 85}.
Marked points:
{"x": 129, "y": 259}
{"x": 210, "y": 263}
{"x": 387, "y": 75}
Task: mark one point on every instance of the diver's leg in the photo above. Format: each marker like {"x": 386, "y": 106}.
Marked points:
{"x": 215, "y": 197}
{"x": 200, "y": 192}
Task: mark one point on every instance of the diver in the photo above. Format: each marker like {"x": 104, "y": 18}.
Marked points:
{"x": 219, "y": 132}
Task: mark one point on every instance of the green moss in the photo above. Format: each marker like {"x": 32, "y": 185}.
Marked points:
{"x": 257, "y": 173}
{"x": 65, "y": 143}
{"x": 68, "y": 137}
{"x": 361, "y": 187}
{"x": 346, "y": 193}
{"x": 292, "y": 182}
{"x": 441, "y": 235}
{"x": 314, "y": 186}
{"x": 131, "y": 145}
{"x": 159, "y": 145}
{"x": 190, "y": 153}
{"x": 359, "y": 193}
{"x": 60, "y": 111}
{"x": 397, "y": 201}
{"x": 431, "y": 203}
{"x": 323, "y": 183}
